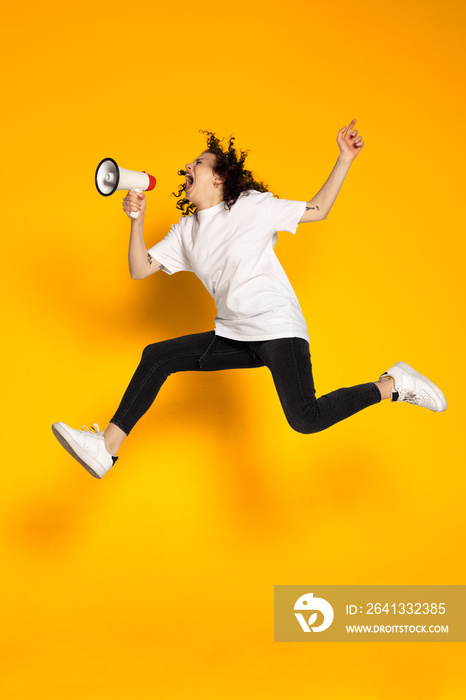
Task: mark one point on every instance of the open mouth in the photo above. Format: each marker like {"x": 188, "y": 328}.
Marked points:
{"x": 189, "y": 182}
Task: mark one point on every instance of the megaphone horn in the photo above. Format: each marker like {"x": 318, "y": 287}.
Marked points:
{"x": 109, "y": 178}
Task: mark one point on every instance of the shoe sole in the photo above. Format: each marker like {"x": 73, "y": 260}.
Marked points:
{"x": 441, "y": 398}
{"x": 69, "y": 448}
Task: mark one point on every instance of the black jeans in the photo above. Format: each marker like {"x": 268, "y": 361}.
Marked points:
{"x": 288, "y": 359}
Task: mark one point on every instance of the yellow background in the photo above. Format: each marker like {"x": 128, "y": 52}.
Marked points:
{"x": 158, "y": 580}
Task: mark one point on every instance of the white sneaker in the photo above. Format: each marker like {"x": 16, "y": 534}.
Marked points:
{"x": 412, "y": 387}
{"x": 87, "y": 446}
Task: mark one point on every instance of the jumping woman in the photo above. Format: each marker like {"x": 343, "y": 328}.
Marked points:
{"x": 227, "y": 237}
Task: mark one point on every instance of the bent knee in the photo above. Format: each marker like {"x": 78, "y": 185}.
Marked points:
{"x": 308, "y": 428}
{"x": 154, "y": 350}
{"x": 307, "y": 424}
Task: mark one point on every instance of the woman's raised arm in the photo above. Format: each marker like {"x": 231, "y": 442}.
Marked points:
{"x": 319, "y": 206}
{"x": 141, "y": 263}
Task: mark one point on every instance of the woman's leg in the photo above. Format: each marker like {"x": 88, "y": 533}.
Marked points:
{"x": 385, "y": 386}
{"x": 196, "y": 352}
{"x": 290, "y": 364}
{"x": 114, "y": 437}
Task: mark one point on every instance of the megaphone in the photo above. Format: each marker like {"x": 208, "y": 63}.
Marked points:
{"x": 109, "y": 178}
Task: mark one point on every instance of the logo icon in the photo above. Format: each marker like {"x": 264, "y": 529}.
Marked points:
{"x": 308, "y": 602}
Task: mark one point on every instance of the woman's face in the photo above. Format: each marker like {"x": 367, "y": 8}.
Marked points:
{"x": 200, "y": 177}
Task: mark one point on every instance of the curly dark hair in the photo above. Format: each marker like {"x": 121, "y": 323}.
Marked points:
{"x": 229, "y": 166}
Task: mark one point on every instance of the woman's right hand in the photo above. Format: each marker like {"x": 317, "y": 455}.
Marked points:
{"x": 135, "y": 201}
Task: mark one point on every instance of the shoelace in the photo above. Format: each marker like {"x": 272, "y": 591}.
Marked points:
{"x": 413, "y": 397}
{"x": 408, "y": 396}
{"x": 93, "y": 430}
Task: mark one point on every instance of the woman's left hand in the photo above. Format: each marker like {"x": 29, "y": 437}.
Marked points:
{"x": 348, "y": 143}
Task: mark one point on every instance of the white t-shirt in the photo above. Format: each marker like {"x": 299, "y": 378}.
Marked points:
{"x": 232, "y": 254}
